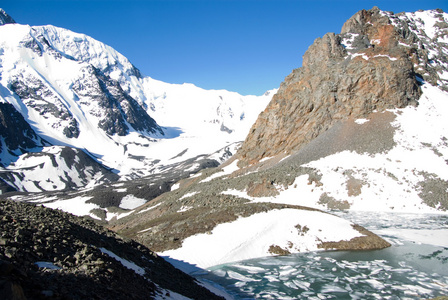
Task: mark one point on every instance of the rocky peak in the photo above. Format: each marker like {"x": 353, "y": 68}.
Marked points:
{"x": 5, "y": 18}
{"x": 364, "y": 19}
{"x": 375, "y": 63}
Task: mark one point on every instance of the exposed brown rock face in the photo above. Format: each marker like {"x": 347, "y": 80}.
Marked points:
{"x": 368, "y": 67}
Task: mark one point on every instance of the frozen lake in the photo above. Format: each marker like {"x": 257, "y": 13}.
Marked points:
{"x": 414, "y": 267}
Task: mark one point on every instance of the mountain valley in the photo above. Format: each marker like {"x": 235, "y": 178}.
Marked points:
{"x": 209, "y": 177}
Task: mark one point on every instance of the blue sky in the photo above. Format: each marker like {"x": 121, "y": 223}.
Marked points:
{"x": 246, "y": 46}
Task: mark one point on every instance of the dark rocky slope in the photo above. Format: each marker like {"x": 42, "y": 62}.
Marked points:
{"x": 79, "y": 265}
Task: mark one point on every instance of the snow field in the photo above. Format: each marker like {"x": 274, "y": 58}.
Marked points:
{"x": 390, "y": 180}
{"x": 250, "y": 237}
{"x": 77, "y": 206}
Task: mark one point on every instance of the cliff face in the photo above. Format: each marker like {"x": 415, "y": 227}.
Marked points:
{"x": 374, "y": 64}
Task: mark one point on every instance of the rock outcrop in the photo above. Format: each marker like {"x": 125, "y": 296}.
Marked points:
{"x": 375, "y": 63}
{"x": 5, "y": 18}
{"x": 17, "y": 136}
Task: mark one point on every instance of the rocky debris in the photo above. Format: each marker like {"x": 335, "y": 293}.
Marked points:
{"x": 428, "y": 46}
{"x": 374, "y": 64}
{"x": 367, "y": 242}
{"x": 433, "y": 191}
{"x": 48, "y": 254}
{"x": 359, "y": 243}
{"x": 148, "y": 187}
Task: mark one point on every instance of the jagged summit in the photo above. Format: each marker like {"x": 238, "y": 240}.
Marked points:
{"x": 5, "y": 18}
{"x": 376, "y": 63}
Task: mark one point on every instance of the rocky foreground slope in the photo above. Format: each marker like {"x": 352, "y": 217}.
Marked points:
{"x": 49, "y": 254}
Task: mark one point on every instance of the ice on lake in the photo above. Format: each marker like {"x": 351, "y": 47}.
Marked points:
{"x": 409, "y": 269}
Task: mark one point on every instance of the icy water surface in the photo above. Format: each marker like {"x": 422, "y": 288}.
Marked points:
{"x": 407, "y": 270}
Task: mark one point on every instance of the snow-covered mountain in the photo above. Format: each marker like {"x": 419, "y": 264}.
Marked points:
{"x": 69, "y": 90}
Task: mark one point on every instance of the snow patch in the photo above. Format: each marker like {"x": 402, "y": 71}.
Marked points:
{"x": 131, "y": 202}
{"x": 77, "y": 206}
{"x": 149, "y": 208}
{"x": 128, "y": 264}
{"x": 175, "y": 186}
{"x": 47, "y": 265}
{"x": 184, "y": 208}
{"x": 188, "y": 195}
{"x": 361, "y": 121}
